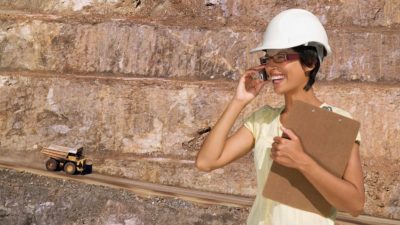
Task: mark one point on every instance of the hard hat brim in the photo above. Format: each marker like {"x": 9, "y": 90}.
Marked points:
{"x": 257, "y": 49}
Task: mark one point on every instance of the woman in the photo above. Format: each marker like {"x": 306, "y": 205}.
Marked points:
{"x": 295, "y": 43}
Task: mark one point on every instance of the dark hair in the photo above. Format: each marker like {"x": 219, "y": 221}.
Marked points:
{"x": 309, "y": 57}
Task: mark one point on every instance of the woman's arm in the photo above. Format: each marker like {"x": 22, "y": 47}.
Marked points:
{"x": 217, "y": 149}
{"x": 346, "y": 194}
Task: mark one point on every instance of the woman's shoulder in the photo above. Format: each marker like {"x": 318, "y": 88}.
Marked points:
{"x": 266, "y": 113}
{"x": 264, "y": 116}
{"x": 343, "y": 113}
{"x": 337, "y": 110}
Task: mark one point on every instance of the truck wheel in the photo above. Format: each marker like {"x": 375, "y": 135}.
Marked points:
{"x": 70, "y": 168}
{"x": 52, "y": 164}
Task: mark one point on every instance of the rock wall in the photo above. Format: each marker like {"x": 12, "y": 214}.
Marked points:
{"x": 135, "y": 82}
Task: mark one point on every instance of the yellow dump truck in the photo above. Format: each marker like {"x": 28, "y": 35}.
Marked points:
{"x": 69, "y": 159}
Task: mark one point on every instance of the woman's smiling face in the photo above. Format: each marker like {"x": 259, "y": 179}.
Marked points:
{"x": 288, "y": 76}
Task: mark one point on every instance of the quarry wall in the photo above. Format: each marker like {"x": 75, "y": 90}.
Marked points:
{"x": 136, "y": 82}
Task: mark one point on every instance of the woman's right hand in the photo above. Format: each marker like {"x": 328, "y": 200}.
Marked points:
{"x": 248, "y": 87}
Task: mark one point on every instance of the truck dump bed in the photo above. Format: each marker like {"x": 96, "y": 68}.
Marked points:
{"x": 60, "y": 152}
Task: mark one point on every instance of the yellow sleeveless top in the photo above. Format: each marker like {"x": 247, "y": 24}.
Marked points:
{"x": 264, "y": 125}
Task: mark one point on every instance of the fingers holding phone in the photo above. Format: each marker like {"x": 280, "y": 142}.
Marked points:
{"x": 251, "y": 83}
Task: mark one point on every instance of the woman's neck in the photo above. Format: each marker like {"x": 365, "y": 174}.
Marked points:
{"x": 305, "y": 96}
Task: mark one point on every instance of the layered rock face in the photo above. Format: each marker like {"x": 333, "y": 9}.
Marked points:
{"x": 136, "y": 82}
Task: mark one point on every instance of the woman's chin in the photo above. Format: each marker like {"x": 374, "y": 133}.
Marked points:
{"x": 279, "y": 91}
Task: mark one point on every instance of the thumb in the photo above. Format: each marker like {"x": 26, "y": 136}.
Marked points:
{"x": 289, "y": 133}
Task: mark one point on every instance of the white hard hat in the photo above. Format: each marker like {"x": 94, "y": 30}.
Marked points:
{"x": 292, "y": 28}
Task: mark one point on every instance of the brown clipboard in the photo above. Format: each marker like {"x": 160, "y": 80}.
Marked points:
{"x": 328, "y": 138}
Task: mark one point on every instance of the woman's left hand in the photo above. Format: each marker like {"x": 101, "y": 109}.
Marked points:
{"x": 289, "y": 152}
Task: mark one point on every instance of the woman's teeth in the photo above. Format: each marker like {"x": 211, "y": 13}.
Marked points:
{"x": 277, "y": 78}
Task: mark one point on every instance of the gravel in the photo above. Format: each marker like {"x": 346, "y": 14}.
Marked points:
{"x": 27, "y": 198}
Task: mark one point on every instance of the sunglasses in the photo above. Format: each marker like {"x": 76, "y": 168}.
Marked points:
{"x": 279, "y": 58}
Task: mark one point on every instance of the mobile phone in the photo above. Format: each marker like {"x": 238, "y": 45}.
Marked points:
{"x": 262, "y": 74}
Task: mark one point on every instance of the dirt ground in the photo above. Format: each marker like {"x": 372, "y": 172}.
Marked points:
{"x": 27, "y": 198}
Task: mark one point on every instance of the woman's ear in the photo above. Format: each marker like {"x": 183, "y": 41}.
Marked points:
{"x": 308, "y": 69}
